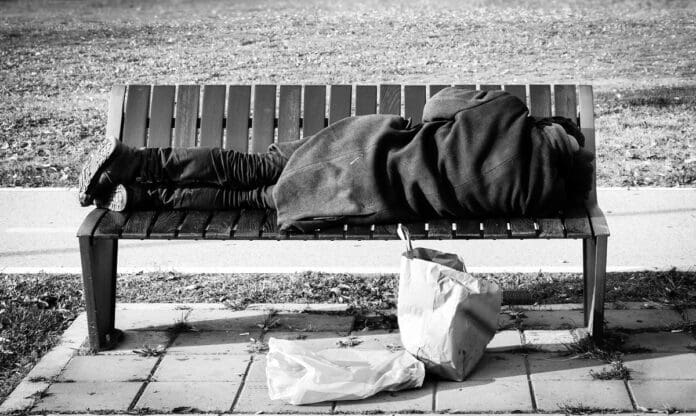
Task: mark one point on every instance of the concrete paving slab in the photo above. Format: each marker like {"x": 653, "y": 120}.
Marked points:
{"x": 662, "y": 366}
{"x": 502, "y": 395}
{"x": 663, "y": 395}
{"x": 23, "y": 396}
{"x": 213, "y": 342}
{"x": 312, "y": 322}
{"x": 312, "y": 340}
{"x": 154, "y": 320}
{"x": 90, "y": 368}
{"x": 299, "y": 307}
{"x": 254, "y": 399}
{"x": 566, "y": 319}
{"x": 405, "y": 401}
{"x": 500, "y": 366}
{"x": 555, "y": 367}
{"x": 508, "y": 340}
{"x": 135, "y": 340}
{"x": 642, "y": 319}
{"x": 89, "y": 396}
{"x": 202, "y": 368}
{"x": 226, "y": 320}
{"x": 186, "y": 397}
{"x": 660, "y": 342}
{"x": 377, "y": 340}
{"x": 553, "y": 395}
{"x": 549, "y": 340}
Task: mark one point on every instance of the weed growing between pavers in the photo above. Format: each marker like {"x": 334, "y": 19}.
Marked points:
{"x": 608, "y": 350}
{"x": 580, "y": 409}
{"x": 150, "y": 351}
{"x": 181, "y": 325}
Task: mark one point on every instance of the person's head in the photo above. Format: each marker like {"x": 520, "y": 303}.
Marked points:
{"x": 579, "y": 172}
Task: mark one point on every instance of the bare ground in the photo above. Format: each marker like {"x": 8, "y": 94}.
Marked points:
{"x": 59, "y": 59}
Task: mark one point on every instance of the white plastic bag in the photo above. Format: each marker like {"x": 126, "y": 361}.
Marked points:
{"x": 446, "y": 316}
{"x": 298, "y": 375}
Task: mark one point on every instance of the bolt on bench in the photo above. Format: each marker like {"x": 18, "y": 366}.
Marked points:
{"x": 219, "y": 116}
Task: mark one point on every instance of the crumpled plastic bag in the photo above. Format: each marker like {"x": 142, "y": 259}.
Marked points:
{"x": 446, "y": 316}
{"x": 299, "y": 375}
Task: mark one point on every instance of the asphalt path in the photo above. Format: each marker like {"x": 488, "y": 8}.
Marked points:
{"x": 651, "y": 229}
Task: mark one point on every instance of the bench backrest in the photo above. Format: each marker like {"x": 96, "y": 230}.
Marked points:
{"x": 222, "y": 116}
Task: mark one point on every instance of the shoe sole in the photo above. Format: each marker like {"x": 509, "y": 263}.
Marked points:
{"x": 116, "y": 201}
{"x": 92, "y": 168}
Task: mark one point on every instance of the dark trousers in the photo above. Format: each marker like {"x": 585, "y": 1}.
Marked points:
{"x": 206, "y": 178}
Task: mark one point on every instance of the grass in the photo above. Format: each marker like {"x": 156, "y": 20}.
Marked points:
{"x": 58, "y": 60}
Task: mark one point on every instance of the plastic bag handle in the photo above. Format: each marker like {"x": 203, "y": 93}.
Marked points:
{"x": 404, "y": 235}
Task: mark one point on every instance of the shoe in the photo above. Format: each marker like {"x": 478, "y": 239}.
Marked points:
{"x": 117, "y": 200}
{"x": 112, "y": 163}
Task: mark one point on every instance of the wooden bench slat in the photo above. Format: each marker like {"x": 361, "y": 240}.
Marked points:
{"x": 466, "y": 86}
{"x": 194, "y": 224}
{"x": 490, "y": 87}
{"x": 417, "y": 230}
{"x": 237, "y": 126}
{"x": 314, "y": 109}
{"x": 414, "y": 100}
{"x": 519, "y": 91}
{"x": 138, "y": 224}
{"x": 161, "y": 114}
{"x": 365, "y": 99}
{"x": 135, "y": 119}
{"x": 495, "y": 228}
{"x": 435, "y": 88}
{"x": 222, "y": 224}
{"x": 289, "y": 112}
{"x": 540, "y": 100}
{"x": 565, "y": 101}
{"x": 440, "y": 229}
{"x": 576, "y": 223}
{"x": 334, "y": 232}
{"x": 111, "y": 224}
{"x": 270, "y": 229}
{"x": 587, "y": 127}
{"x": 114, "y": 118}
{"x": 264, "y": 117}
{"x": 468, "y": 228}
{"x": 212, "y": 113}
{"x": 186, "y": 122}
{"x": 550, "y": 228}
{"x": 390, "y": 99}
{"x": 249, "y": 223}
{"x": 359, "y": 232}
{"x": 167, "y": 224}
{"x": 522, "y": 228}
{"x": 384, "y": 231}
{"x": 339, "y": 102}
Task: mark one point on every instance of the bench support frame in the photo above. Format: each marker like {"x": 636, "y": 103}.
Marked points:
{"x": 99, "y": 261}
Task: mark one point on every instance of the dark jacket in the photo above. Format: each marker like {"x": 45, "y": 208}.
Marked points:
{"x": 476, "y": 154}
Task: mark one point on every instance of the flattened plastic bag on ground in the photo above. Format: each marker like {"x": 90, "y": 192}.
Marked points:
{"x": 299, "y": 375}
{"x": 446, "y": 316}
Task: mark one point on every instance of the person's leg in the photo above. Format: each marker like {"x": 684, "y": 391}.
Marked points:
{"x": 139, "y": 197}
{"x": 116, "y": 163}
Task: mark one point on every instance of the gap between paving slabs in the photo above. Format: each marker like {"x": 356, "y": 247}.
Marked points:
{"x": 189, "y": 339}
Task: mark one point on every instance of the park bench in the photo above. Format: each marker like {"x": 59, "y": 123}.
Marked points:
{"x": 220, "y": 116}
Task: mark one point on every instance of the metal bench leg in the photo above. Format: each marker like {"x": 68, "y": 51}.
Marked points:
{"x": 595, "y": 273}
{"x": 589, "y": 249}
{"x": 99, "y": 259}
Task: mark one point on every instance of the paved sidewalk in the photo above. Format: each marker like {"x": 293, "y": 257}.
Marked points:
{"x": 651, "y": 229}
{"x": 206, "y": 366}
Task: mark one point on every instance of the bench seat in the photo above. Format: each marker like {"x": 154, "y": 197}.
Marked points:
{"x": 249, "y": 118}
{"x": 261, "y": 225}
